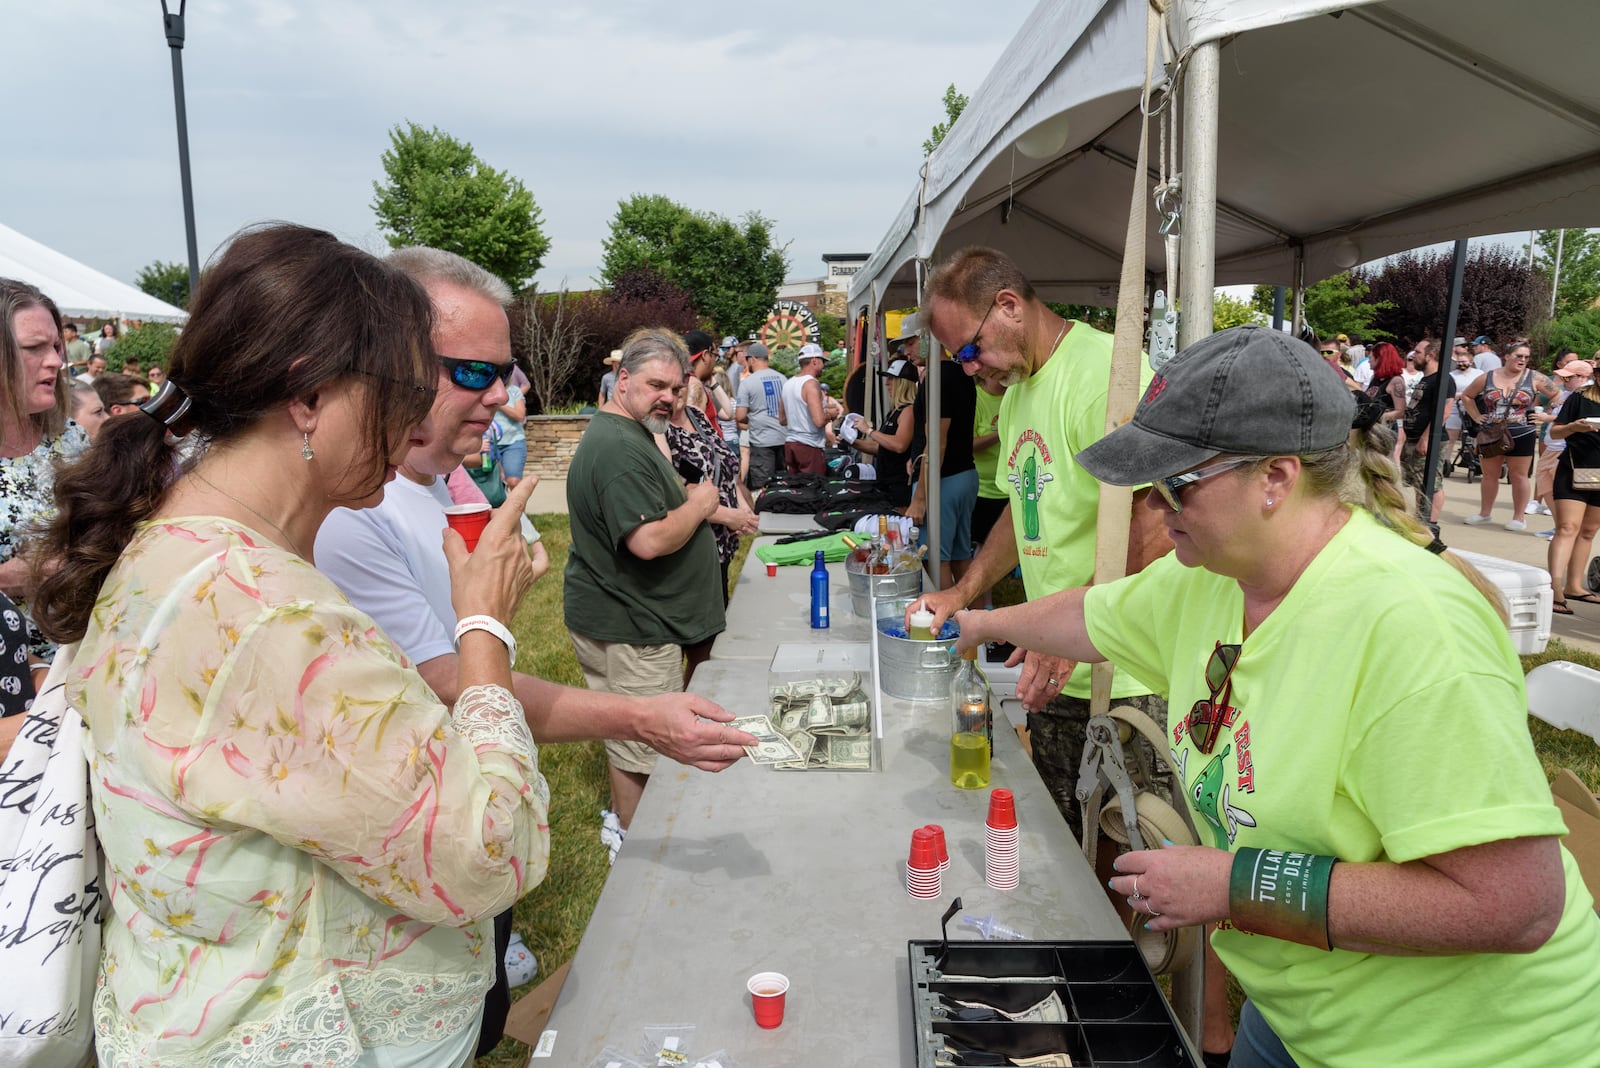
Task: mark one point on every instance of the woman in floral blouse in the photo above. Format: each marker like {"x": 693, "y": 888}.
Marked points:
{"x": 299, "y": 838}
{"x": 35, "y": 395}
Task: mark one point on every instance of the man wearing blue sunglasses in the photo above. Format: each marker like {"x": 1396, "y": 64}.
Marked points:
{"x": 389, "y": 560}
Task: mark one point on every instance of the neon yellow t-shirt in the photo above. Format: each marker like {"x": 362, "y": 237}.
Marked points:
{"x": 1409, "y": 742}
{"x": 1044, "y": 422}
{"x": 986, "y": 420}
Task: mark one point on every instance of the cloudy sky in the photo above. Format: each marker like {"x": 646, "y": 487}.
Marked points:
{"x": 812, "y": 115}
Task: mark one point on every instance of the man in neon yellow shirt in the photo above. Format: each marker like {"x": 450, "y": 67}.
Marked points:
{"x": 1053, "y": 374}
{"x": 992, "y": 499}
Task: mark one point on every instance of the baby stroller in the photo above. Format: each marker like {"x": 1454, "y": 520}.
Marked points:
{"x": 1466, "y": 458}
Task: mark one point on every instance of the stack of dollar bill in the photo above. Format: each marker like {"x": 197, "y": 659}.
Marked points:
{"x": 822, "y": 723}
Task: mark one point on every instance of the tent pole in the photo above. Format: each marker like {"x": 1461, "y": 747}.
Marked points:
{"x": 175, "y": 32}
{"x": 1197, "y": 256}
{"x": 1198, "y": 249}
{"x": 1277, "y": 307}
{"x": 1458, "y": 269}
{"x": 1299, "y": 289}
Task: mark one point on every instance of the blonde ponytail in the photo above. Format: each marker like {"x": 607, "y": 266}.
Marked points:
{"x": 1376, "y": 486}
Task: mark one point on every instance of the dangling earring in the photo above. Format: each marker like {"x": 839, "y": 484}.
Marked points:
{"x": 306, "y": 452}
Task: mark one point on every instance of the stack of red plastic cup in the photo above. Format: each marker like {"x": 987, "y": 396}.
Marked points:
{"x": 1000, "y": 869}
{"x": 944, "y": 850}
{"x": 922, "y": 870}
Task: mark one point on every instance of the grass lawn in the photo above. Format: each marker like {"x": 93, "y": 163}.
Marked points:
{"x": 551, "y": 919}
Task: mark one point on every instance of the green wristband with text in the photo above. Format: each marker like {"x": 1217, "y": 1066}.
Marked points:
{"x": 1281, "y": 894}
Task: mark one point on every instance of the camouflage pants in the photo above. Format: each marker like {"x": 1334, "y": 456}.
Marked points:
{"x": 1057, "y": 736}
{"x": 1413, "y": 470}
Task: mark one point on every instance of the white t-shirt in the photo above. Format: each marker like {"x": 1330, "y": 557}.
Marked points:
{"x": 389, "y": 560}
{"x": 1487, "y": 361}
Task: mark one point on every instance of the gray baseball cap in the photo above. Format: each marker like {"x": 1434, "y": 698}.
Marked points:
{"x": 757, "y": 351}
{"x": 1247, "y": 391}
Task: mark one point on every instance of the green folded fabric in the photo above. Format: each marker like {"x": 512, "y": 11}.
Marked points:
{"x": 804, "y": 552}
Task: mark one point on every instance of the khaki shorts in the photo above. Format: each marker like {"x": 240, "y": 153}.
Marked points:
{"x": 1544, "y": 474}
{"x": 635, "y": 670}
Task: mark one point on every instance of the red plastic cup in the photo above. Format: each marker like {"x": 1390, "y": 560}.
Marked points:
{"x": 468, "y": 520}
{"x": 772, "y": 571}
{"x": 1002, "y": 809}
{"x": 938, "y": 840}
{"x": 924, "y": 850}
{"x": 768, "y": 991}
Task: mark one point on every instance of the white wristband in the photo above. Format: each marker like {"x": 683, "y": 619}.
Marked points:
{"x": 493, "y": 626}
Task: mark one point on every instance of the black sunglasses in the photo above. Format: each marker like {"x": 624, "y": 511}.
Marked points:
{"x": 477, "y": 375}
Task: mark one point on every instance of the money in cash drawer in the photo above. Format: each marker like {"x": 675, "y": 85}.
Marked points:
{"x": 1040, "y": 1004}
{"x": 821, "y": 707}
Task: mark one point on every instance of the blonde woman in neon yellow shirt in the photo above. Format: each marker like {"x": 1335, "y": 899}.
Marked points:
{"x": 1382, "y": 855}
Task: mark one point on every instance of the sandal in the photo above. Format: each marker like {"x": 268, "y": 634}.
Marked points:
{"x": 1560, "y": 608}
{"x": 1586, "y": 598}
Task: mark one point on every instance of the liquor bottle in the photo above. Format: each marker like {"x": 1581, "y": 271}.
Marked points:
{"x": 819, "y": 593}
{"x": 971, "y": 725}
{"x": 881, "y": 563}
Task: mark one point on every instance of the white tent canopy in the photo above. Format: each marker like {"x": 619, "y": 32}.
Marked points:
{"x": 1347, "y": 131}
{"x": 77, "y": 289}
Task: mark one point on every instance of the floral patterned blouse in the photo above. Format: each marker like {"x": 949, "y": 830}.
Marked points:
{"x": 704, "y": 448}
{"x": 299, "y": 838}
{"x": 27, "y": 501}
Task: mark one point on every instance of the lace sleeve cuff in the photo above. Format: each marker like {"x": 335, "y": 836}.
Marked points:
{"x": 492, "y": 716}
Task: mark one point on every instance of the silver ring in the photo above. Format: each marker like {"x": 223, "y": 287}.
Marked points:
{"x": 1136, "y": 887}
{"x": 1151, "y": 907}
{"x": 1053, "y": 682}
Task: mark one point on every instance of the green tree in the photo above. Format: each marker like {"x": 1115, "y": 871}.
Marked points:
{"x": 1578, "y": 331}
{"x": 1101, "y": 318}
{"x": 1334, "y": 305}
{"x": 954, "y": 104}
{"x": 731, "y": 270}
{"x": 149, "y": 344}
{"x": 1228, "y": 310}
{"x": 1580, "y": 268}
{"x": 439, "y": 193}
{"x": 165, "y": 281}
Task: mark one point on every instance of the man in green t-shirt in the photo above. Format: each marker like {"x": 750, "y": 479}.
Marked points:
{"x": 1054, "y": 376}
{"x": 642, "y": 577}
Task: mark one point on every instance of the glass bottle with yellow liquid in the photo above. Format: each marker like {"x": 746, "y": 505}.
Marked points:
{"x": 971, "y": 725}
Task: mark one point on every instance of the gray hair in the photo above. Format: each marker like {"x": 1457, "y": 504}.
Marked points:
{"x": 648, "y": 344}
{"x": 435, "y": 265}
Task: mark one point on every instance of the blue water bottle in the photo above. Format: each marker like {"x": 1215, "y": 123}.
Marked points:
{"x": 819, "y": 593}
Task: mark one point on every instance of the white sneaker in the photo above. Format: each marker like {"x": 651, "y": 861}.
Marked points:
{"x": 1516, "y": 524}
{"x": 521, "y": 964}
{"x": 1537, "y": 509}
{"x": 611, "y": 832}
{"x": 1477, "y": 520}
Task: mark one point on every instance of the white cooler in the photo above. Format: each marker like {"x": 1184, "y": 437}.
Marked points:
{"x": 1527, "y": 594}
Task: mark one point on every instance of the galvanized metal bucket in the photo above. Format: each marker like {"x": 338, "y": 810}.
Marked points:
{"x": 912, "y": 670}
{"x": 863, "y": 586}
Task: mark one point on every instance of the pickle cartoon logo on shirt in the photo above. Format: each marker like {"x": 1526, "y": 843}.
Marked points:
{"x": 1028, "y": 480}
{"x": 1209, "y": 796}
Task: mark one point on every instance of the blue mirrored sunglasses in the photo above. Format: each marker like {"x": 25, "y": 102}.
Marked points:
{"x": 972, "y": 350}
{"x": 476, "y": 374}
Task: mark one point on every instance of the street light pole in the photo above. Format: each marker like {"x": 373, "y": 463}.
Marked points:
{"x": 174, "y": 28}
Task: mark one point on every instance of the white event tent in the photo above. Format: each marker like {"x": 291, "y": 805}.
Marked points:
{"x": 1343, "y": 132}
{"x": 78, "y": 290}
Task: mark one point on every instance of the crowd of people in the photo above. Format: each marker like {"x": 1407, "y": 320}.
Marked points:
{"x": 314, "y": 763}
{"x": 1506, "y": 421}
